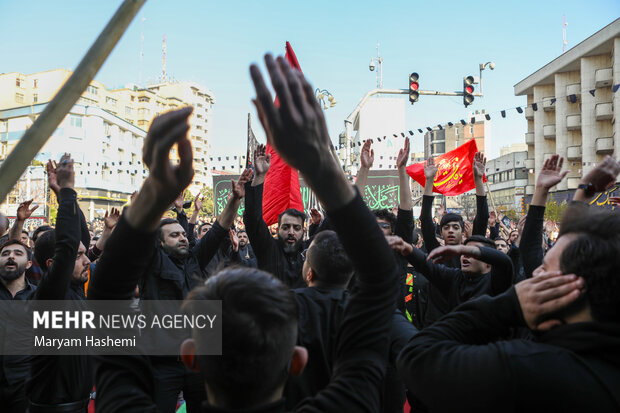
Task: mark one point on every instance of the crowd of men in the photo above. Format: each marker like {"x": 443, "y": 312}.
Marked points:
{"x": 351, "y": 310}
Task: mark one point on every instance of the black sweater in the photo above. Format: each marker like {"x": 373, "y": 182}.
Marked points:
{"x": 124, "y": 383}
{"x": 461, "y": 364}
{"x": 531, "y": 240}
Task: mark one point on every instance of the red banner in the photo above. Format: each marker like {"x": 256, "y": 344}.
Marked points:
{"x": 281, "y": 189}
{"x": 455, "y": 174}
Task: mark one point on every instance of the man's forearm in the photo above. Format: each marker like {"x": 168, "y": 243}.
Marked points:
{"x": 540, "y": 196}
{"x": 362, "y": 179}
{"x": 480, "y": 191}
{"x": 227, "y": 217}
{"x": 147, "y": 209}
{"x": 194, "y": 217}
{"x": 428, "y": 187}
{"x": 103, "y": 239}
{"x": 405, "y": 189}
{"x": 16, "y": 230}
{"x": 258, "y": 179}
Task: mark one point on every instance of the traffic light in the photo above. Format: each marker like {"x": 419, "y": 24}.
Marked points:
{"x": 468, "y": 90}
{"x": 413, "y": 87}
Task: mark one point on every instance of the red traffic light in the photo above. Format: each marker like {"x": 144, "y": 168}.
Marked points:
{"x": 414, "y": 86}
{"x": 469, "y": 89}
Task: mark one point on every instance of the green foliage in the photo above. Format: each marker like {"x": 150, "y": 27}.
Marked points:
{"x": 553, "y": 210}
{"x": 207, "y": 204}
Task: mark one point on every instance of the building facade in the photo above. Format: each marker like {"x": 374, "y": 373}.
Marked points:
{"x": 570, "y": 108}
{"x": 507, "y": 177}
{"x": 447, "y": 138}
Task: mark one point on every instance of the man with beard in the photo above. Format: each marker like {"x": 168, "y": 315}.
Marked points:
{"x": 246, "y": 253}
{"x": 282, "y": 256}
{"x": 14, "y": 261}
{"x": 174, "y": 270}
{"x": 62, "y": 382}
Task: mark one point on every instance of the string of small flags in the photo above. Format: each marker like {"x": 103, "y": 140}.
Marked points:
{"x": 572, "y": 98}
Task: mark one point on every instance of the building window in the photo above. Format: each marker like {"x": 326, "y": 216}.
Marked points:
{"x": 127, "y": 110}
{"x": 471, "y": 130}
{"x": 76, "y": 121}
{"x": 92, "y": 90}
{"x": 133, "y": 98}
{"x": 143, "y": 99}
{"x": 110, "y": 101}
{"x": 19, "y": 97}
{"x": 35, "y": 83}
{"x": 18, "y": 82}
{"x": 35, "y": 98}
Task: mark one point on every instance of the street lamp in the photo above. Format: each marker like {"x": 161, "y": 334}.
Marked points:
{"x": 483, "y": 66}
{"x": 327, "y": 99}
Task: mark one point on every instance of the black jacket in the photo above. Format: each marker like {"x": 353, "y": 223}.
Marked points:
{"x": 531, "y": 240}
{"x": 125, "y": 383}
{"x": 460, "y": 363}
{"x": 269, "y": 251}
{"x": 62, "y": 379}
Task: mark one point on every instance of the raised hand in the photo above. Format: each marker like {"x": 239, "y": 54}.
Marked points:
{"x": 469, "y": 229}
{"x": 447, "y": 252}
{"x": 479, "y": 163}
{"x": 51, "y": 176}
{"x": 238, "y": 188}
{"x": 492, "y": 219}
{"x": 315, "y": 216}
{"x": 545, "y": 294}
{"x": 403, "y": 155}
{"x": 24, "y": 211}
{"x": 234, "y": 240}
{"x": 178, "y": 203}
{"x": 367, "y": 156}
{"x": 399, "y": 245}
{"x": 603, "y": 176}
{"x": 430, "y": 169}
{"x": 65, "y": 175}
{"x": 550, "y": 174}
{"x": 262, "y": 162}
{"x": 198, "y": 202}
{"x": 110, "y": 220}
{"x": 614, "y": 200}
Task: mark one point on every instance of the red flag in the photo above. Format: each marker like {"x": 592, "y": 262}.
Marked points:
{"x": 455, "y": 174}
{"x": 281, "y": 189}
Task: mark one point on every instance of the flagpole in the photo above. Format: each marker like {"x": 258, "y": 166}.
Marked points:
{"x": 55, "y": 111}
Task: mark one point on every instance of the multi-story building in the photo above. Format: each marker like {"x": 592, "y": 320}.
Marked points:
{"x": 228, "y": 163}
{"x": 135, "y": 105}
{"x": 107, "y": 151}
{"x": 441, "y": 140}
{"x": 507, "y": 177}
{"x": 570, "y": 108}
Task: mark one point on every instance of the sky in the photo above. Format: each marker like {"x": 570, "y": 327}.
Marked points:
{"x": 214, "y": 42}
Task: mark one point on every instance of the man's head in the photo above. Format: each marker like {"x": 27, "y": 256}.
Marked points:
{"x": 452, "y": 229}
{"x": 203, "y": 229}
{"x": 588, "y": 247}
{"x": 14, "y": 260}
{"x": 513, "y": 236}
{"x": 386, "y": 221}
{"x": 4, "y": 224}
{"x": 25, "y": 238}
{"x": 291, "y": 229}
{"x": 172, "y": 238}
{"x": 243, "y": 238}
{"x": 472, "y": 266}
{"x": 327, "y": 263}
{"x": 44, "y": 250}
{"x": 501, "y": 245}
{"x": 39, "y": 231}
{"x": 259, "y": 332}
{"x": 93, "y": 241}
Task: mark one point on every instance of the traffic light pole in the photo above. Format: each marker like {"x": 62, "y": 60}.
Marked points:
{"x": 348, "y": 122}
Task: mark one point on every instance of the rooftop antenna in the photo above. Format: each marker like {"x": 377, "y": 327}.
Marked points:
{"x": 141, "y": 50}
{"x": 564, "y": 41}
{"x": 163, "y": 66}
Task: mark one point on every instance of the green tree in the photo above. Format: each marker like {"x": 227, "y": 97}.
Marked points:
{"x": 553, "y": 210}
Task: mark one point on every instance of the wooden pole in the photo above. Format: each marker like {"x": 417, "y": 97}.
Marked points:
{"x": 37, "y": 135}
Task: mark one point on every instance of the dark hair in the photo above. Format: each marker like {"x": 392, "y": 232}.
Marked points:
{"x": 39, "y": 230}
{"x": 26, "y": 232}
{"x": 329, "y": 261}
{"x": 162, "y": 223}
{"x": 447, "y": 218}
{"x": 4, "y": 223}
{"x": 259, "y": 332}
{"x": 415, "y": 236}
{"x": 594, "y": 256}
{"x": 202, "y": 225}
{"x": 481, "y": 239}
{"x": 17, "y": 242}
{"x": 44, "y": 248}
{"x": 386, "y": 215}
{"x": 239, "y": 231}
{"x": 294, "y": 213}
{"x": 500, "y": 238}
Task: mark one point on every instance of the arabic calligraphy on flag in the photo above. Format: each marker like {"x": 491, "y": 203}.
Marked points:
{"x": 455, "y": 174}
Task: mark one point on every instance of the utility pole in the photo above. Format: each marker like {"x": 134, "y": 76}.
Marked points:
{"x": 163, "y": 63}
{"x": 141, "y": 50}
{"x": 564, "y": 41}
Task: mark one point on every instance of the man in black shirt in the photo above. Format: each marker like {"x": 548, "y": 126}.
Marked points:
{"x": 282, "y": 256}
{"x": 260, "y": 323}
{"x": 572, "y": 364}
{"x": 15, "y": 259}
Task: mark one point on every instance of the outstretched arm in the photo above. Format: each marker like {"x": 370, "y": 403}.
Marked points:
{"x": 23, "y": 213}
{"x": 367, "y": 158}
{"x": 482, "y": 207}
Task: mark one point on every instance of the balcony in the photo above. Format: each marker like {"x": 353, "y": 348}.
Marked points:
{"x": 573, "y": 153}
{"x": 549, "y": 104}
{"x": 605, "y": 146}
{"x": 549, "y": 131}
{"x": 603, "y": 77}
{"x": 529, "y": 163}
{"x": 574, "y": 89}
{"x": 573, "y": 122}
{"x": 529, "y": 138}
{"x": 604, "y": 111}
{"x": 529, "y": 113}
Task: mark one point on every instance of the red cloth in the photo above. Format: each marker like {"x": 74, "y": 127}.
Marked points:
{"x": 455, "y": 175}
{"x": 281, "y": 189}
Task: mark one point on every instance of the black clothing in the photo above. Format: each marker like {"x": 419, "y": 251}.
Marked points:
{"x": 170, "y": 375}
{"x": 13, "y": 396}
{"x": 461, "y": 364}
{"x": 269, "y": 251}
{"x": 125, "y": 383}
{"x": 247, "y": 257}
{"x": 456, "y": 287}
{"x": 61, "y": 379}
{"x": 531, "y": 240}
